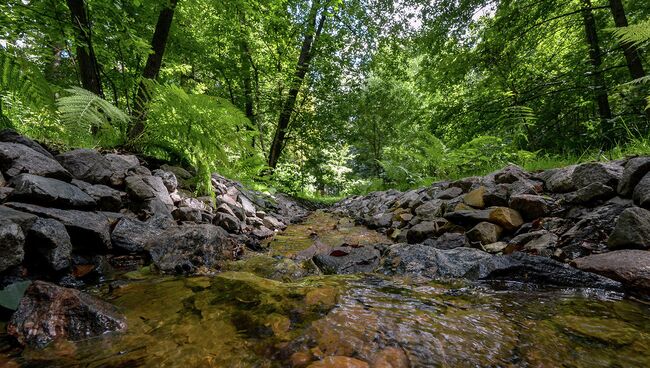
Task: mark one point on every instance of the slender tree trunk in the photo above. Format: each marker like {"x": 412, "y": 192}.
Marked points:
{"x": 152, "y": 68}
{"x": 632, "y": 56}
{"x": 88, "y": 66}
{"x": 247, "y": 78}
{"x": 306, "y": 53}
{"x": 600, "y": 86}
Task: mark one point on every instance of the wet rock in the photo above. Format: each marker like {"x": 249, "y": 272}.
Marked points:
{"x": 168, "y": 179}
{"x": 50, "y": 192}
{"x": 182, "y": 249}
{"x": 391, "y": 357}
{"x": 48, "y": 312}
{"x": 273, "y": 223}
{"x": 121, "y": 167}
{"x": 559, "y": 180}
{"x": 475, "y": 197}
{"x": 449, "y": 193}
{"x": 228, "y": 222}
{"x": 539, "y": 270}
{"x": 134, "y": 236}
{"x": 11, "y": 136}
{"x": 87, "y": 165}
{"x": 421, "y": 231}
{"x": 531, "y": 206}
{"x": 12, "y": 242}
{"x": 484, "y": 233}
{"x": 632, "y": 230}
{"x": 107, "y": 198}
{"x": 417, "y": 259}
{"x": 16, "y": 159}
{"x": 607, "y": 174}
{"x": 89, "y": 231}
{"x": 50, "y": 242}
{"x": 447, "y": 241}
{"x": 510, "y": 174}
{"x": 635, "y": 169}
{"x": 630, "y": 267}
{"x": 339, "y": 362}
{"x": 262, "y": 232}
{"x": 348, "y": 260}
{"x": 641, "y": 194}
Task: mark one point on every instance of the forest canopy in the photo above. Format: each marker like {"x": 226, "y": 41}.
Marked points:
{"x": 331, "y": 97}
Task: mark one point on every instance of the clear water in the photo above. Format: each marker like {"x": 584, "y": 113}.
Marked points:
{"x": 258, "y": 315}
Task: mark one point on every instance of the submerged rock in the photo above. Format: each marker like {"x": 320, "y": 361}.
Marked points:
{"x": 48, "y": 312}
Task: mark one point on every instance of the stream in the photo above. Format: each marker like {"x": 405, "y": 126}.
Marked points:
{"x": 273, "y": 309}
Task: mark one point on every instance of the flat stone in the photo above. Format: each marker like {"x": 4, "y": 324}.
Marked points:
{"x": 49, "y": 192}
{"x": 107, "y": 198}
{"x": 48, "y": 312}
{"x": 590, "y": 193}
{"x": 23, "y": 219}
{"x": 447, "y": 241}
{"x": 632, "y": 230}
{"x": 87, "y": 165}
{"x": 187, "y": 214}
{"x": 16, "y": 159}
{"x": 635, "y": 169}
{"x": 495, "y": 248}
{"x": 510, "y": 174}
{"x": 630, "y": 267}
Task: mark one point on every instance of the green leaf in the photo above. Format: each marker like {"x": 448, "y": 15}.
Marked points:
{"x": 10, "y": 296}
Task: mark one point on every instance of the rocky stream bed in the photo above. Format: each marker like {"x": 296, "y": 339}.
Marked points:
{"x": 109, "y": 260}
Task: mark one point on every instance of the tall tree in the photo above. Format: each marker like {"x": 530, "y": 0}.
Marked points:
{"x": 152, "y": 67}
{"x": 314, "y": 27}
{"x": 86, "y": 59}
{"x": 631, "y": 52}
{"x": 600, "y": 85}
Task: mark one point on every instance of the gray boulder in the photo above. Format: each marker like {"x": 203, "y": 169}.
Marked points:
{"x": 530, "y": 206}
{"x": 559, "y": 180}
{"x": 48, "y": 312}
{"x": 421, "y": 231}
{"x": 135, "y": 236}
{"x": 588, "y": 194}
{"x": 187, "y": 214}
{"x": 447, "y": 241}
{"x": 49, "y": 242}
{"x": 49, "y": 192}
{"x": 510, "y": 174}
{"x": 107, "y": 198}
{"x": 449, "y": 193}
{"x": 121, "y": 167}
{"x": 416, "y": 259}
{"x": 12, "y": 242}
{"x": 87, "y": 165}
{"x": 632, "y": 230}
{"x": 11, "y": 136}
{"x": 228, "y": 222}
{"x": 635, "y": 169}
{"x": 183, "y": 249}
{"x": 641, "y": 194}
{"x": 168, "y": 178}
{"x": 484, "y": 233}
{"x": 23, "y": 219}
{"x": 607, "y": 174}
{"x": 431, "y": 209}
{"x": 151, "y": 193}
{"x": 348, "y": 260}
{"x": 16, "y": 159}
{"x": 89, "y": 231}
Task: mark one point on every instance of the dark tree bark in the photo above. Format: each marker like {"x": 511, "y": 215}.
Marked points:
{"x": 306, "y": 53}
{"x": 152, "y": 68}
{"x": 600, "y": 86}
{"x": 632, "y": 56}
{"x": 88, "y": 66}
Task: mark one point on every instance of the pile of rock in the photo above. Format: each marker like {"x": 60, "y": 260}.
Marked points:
{"x": 593, "y": 216}
{"x": 80, "y": 215}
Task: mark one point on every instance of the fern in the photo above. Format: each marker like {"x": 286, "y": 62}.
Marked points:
{"x": 81, "y": 111}
{"x": 636, "y": 34}
{"x": 22, "y": 79}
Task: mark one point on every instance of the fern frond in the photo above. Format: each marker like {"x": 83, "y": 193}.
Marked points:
{"x": 83, "y": 110}
{"x": 22, "y": 78}
{"x": 635, "y": 34}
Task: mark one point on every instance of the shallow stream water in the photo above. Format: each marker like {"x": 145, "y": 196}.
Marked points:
{"x": 271, "y": 310}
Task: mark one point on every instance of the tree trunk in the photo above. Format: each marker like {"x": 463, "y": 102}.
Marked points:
{"x": 306, "y": 53}
{"x": 247, "y": 78}
{"x": 600, "y": 86}
{"x": 88, "y": 66}
{"x": 152, "y": 68}
{"x": 632, "y": 56}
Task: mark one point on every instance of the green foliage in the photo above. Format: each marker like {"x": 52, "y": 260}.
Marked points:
{"x": 636, "y": 34}
{"x": 20, "y": 77}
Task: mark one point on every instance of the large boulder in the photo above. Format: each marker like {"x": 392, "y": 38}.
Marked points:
{"x": 23, "y": 219}
{"x": 135, "y": 236}
{"x": 539, "y": 270}
{"x": 87, "y": 165}
{"x": 348, "y": 260}
{"x": 48, "y": 312}
{"x": 148, "y": 188}
{"x": 607, "y": 174}
{"x": 50, "y": 243}
{"x": 641, "y": 194}
{"x": 632, "y": 230}
{"x": 89, "y": 231}
{"x": 183, "y": 249}
{"x": 635, "y": 169}
{"x": 559, "y": 180}
{"x": 12, "y": 242}
{"x": 416, "y": 259}
{"x": 121, "y": 167}
{"x": 591, "y": 194}
{"x": 16, "y": 159}
{"x": 49, "y": 192}
{"x": 630, "y": 267}
{"x": 11, "y": 136}
{"x": 421, "y": 231}
{"x": 107, "y": 198}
